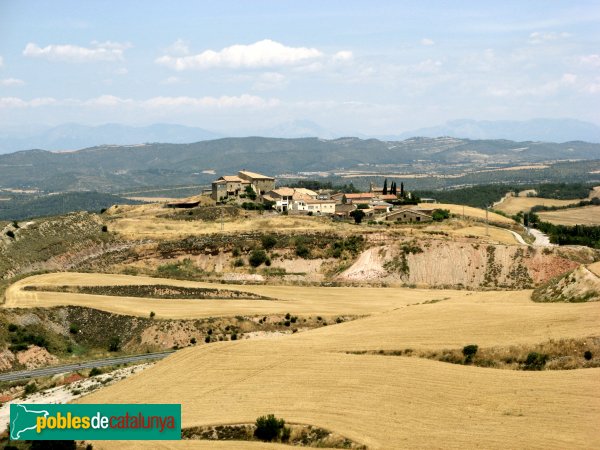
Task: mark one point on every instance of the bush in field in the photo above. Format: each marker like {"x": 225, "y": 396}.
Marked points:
{"x": 269, "y": 428}
{"x": 587, "y": 355}
{"x": 257, "y": 257}
{"x": 302, "y": 251}
{"x": 268, "y": 241}
{"x": 535, "y": 361}
{"x": 114, "y": 344}
{"x": 469, "y": 351}
{"x": 239, "y": 262}
{"x": 95, "y": 371}
{"x": 440, "y": 214}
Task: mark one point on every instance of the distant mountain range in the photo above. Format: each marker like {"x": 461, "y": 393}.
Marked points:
{"x": 76, "y": 136}
{"x": 546, "y": 130}
{"x": 118, "y": 168}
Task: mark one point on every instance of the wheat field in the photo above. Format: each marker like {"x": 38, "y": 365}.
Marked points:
{"x": 469, "y": 211}
{"x": 587, "y": 215}
{"x": 388, "y": 401}
{"x": 513, "y": 205}
{"x": 298, "y": 300}
{"x": 379, "y": 401}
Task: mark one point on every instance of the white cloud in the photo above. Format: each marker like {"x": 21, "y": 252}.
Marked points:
{"x": 265, "y": 53}
{"x": 179, "y": 47}
{"x": 1, "y": 61}
{"x": 549, "y": 88}
{"x": 539, "y": 37}
{"x": 172, "y": 80}
{"x": 593, "y": 88}
{"x": 242, "y": 101}
{"x": 427, "y": 41}
{"x": 107, "y": 100}
{"x": 428, "y": 66}
{"x": 591, "y": 60}
{"x": 344, "y": 55}
{"x": 99, "y": 51}
{"x": 569, "y": 78}
{"x": 11, "y": 82}
{"x": 121, "y": 71}
{"x": 270, "y": 80}
{"x": 158, "y": 103}
{"x": 15, "y": 102}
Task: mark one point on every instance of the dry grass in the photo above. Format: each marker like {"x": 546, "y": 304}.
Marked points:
{"x": 595, "y": 268}
{"x": 469, "y": 211}
{"x": 143, "y": 222}
{"x": 512, "y": 205}
{"x": 587, "y": 215}
{"x": 386, "y": 402}
{"x": 496, "y": 235}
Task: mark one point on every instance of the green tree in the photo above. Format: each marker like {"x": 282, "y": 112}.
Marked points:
{"x": 358, "y": 215}
{"x": 250, "y": 192}
{"x": 440, "y": 214}
{"x": 268, "y": 428}
{"x": 385, "y": 189}
{"x": 268, "y": 241}
{"x": 257, "y": 257}
{"x": 469, "y": 352}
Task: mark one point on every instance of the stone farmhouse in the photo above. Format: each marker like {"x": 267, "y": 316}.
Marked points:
{"x": 413, "y": 214}
{"x": 231, "y": 186}
{"x": 299, "y": 200}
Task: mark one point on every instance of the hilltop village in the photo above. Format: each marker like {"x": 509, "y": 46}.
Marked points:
{"x": 256, "y": 191}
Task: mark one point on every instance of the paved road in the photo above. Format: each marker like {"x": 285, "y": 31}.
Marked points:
{"x": 53, "y": 370}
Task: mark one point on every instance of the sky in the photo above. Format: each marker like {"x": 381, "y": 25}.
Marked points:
{"x": 370, "y": 67}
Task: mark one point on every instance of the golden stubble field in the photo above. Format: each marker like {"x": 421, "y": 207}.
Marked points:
{"x": 586, "y": 215}
{"x": 380, "y": 401}
{"x": 469, "y": 212}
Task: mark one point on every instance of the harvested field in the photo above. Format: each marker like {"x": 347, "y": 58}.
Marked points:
{"x": 586, "y": 215}
{"x": 391, "y": 402}
{"x": 469, "y": 211}
{"x": 153, "y": 291}
{"x": 491, "y": 235}
{"x": 513, "y": 205}
{"x": 299, "y": 301}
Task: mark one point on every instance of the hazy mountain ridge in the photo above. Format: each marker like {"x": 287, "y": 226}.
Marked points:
{"x": 548, "y": 130}
{"x": 76, "y": 136}
{"x": 110, "y": 168}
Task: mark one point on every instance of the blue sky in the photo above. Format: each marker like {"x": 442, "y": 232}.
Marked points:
{"x": 354, "y": 67}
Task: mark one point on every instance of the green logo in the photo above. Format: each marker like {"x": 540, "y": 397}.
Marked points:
{"x": 95, "y": 422}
